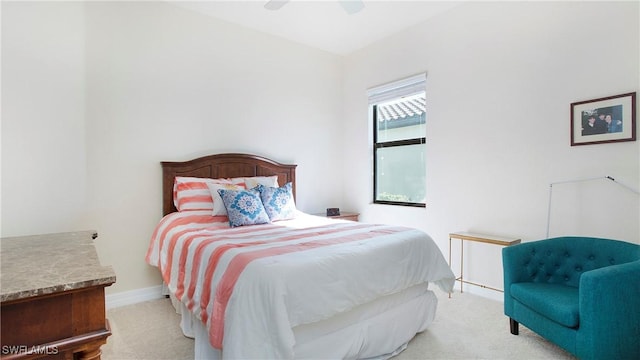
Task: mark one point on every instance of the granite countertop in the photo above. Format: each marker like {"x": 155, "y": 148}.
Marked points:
{"x": 46, "y": 264}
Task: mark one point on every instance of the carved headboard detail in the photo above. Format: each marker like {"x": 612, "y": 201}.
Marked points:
{"x": 222, "y": 166}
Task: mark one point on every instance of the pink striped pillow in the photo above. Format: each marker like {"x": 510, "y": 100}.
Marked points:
{"x": 191, "y": 193}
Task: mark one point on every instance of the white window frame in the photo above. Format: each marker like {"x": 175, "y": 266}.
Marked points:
{"x": 383, "y": 93}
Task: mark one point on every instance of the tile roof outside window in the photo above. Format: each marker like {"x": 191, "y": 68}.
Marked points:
{"x": 408, "y": 106}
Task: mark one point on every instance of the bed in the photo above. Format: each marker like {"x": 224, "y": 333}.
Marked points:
{"x": 299, "y": 286}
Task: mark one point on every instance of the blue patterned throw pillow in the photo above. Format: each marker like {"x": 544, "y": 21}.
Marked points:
{"x": 244, "y": 207}
{"x": 278, "y": 201}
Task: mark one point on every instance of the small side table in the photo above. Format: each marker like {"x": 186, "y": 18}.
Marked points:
{"x": 483, "y": 238}
{"x": 344, "y": 215}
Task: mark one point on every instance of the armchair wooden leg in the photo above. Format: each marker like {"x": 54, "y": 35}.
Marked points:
{"x": 513, "y": 326}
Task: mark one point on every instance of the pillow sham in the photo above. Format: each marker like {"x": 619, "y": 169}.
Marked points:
{"x": 192, "y": 193}
{"x": 251, "y": 182}
{"x": 278, "y": 201}
{"x": 218, "y": 204}
{"x": 244, "y": 207}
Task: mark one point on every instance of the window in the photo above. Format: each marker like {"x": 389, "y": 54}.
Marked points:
{"x": 399, "y": 131}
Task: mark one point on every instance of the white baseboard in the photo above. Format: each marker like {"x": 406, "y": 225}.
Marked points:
{"x": 133, "y": 297}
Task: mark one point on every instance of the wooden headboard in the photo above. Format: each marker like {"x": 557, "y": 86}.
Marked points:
{"x": 222, "y": 166}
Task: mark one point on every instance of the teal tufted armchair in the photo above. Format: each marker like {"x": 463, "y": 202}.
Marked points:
{"x": 580, "y": 293}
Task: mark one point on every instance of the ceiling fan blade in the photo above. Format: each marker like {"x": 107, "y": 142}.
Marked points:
{"x": 275, "y": 4}
{"x": 352, "y": 6}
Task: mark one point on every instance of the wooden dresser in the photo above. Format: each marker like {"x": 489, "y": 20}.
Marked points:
{"x": 52, "y": 297}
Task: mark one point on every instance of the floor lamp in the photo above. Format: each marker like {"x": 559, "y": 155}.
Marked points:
{"x": 579, "y": 181}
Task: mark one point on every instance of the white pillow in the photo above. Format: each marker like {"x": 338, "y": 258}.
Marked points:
{"x": 218, "y": 205}
{"x": 251, "y": 182}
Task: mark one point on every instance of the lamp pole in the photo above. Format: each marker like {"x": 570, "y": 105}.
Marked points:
{"x": 578, "y": 181}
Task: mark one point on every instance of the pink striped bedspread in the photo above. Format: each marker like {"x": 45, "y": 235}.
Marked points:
{"x": 251, "y": 285}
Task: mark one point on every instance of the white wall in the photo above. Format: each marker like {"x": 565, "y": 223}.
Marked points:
{"x": 500, "y": 80}
{"x": 43, "y": 129}
{"x": 157, "y": 82}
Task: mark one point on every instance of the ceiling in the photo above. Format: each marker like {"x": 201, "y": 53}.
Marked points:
{"x": 323, "y": 24}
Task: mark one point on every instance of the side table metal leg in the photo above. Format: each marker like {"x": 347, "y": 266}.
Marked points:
{"x": 450, "y": 264}
{"x": 461, "y": 263}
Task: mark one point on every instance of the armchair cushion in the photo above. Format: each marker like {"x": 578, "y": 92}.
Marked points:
{"x": 555, "y": 302}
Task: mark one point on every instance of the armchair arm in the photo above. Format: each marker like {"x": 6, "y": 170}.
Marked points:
{"x": 609, "y": 300}
{"x": 514, "y": 270}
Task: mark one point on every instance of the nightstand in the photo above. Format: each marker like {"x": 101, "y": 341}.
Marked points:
{"x": 344, "y": 215}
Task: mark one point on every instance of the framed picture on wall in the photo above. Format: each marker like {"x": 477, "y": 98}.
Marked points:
{"x": 604, "y": 120}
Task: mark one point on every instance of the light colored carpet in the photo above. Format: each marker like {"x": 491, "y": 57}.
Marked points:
{"x": 466, "y": 327}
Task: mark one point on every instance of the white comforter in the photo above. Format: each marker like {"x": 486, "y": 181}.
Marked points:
{"x": 294, "y": 272}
